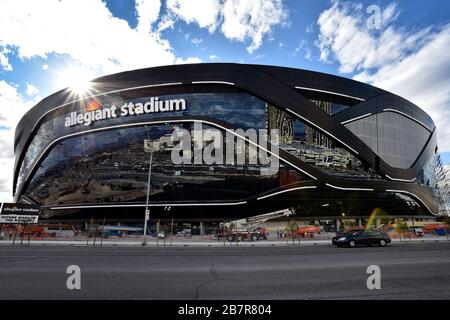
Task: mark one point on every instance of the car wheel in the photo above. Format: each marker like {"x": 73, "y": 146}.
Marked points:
{"x": 239, "y": 238}
{"x": 254, "y": 238}
{"x": 230, "y": 238}
{"x": 352, "y": 244}
{"x": 382, "y": 243}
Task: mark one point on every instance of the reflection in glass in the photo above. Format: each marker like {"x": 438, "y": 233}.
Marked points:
{"x": 239, "y": 109}
{"x": 112, "y": 166}
{"x": 316, "y": 149}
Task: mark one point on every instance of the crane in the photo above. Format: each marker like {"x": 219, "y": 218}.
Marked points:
{"x": 246, "y": 229}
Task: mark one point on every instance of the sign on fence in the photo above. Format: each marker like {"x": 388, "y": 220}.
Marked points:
{"x": 15, "y": 213}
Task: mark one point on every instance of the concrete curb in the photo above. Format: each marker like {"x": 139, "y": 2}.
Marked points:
{"x": 152, "y": 243}
{"x": 174, "y": 244}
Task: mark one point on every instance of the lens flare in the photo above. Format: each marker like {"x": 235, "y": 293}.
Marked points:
{"x": 76, "y": 78}
{"x": 377, "y": 213}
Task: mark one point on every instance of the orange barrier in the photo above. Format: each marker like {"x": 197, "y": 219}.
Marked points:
{"x": 301, "y": 231}
{"x": 429, "y": 228}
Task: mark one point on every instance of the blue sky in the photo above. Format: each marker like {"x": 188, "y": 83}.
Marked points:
{"x": 44, "y": 43}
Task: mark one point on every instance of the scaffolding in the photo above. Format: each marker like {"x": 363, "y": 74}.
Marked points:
{"x": 442, "y": 176}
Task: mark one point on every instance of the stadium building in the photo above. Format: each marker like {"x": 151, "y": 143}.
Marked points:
{"x": 345, "y": 147}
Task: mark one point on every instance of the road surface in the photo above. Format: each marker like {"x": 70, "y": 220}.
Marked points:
{"x": 408, "y": 271}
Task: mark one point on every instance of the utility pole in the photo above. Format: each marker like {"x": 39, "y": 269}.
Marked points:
{"x": 171, "y": 232}
{"x": 147, "y": 146}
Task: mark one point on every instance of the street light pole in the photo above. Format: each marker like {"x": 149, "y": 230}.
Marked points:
{"x": 342, "y": 215}
{"x": 147, "y": 208}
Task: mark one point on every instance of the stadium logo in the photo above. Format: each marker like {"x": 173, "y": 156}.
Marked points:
{"x": 95, "y": 111}
{"x": 93, "y": 105}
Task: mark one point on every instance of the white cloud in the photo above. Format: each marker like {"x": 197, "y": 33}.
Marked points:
{"x": 390, "y": 14}
{"x": 188, "y": 60}
{"x": 303, "y": 45}
{"x": 214, "y": 57}
{"x": 5, "y": 182}
{"x": 147, "y": 13}
{"x": 6, "y": 145}
{"x": 84, "y": 30}
{"x": 87, "y": 32}
{"x": 196, "y": 41}
{"x": 167, "y": 22}
{"x": 345, "y": 35}
{"x": 4, "y": 61}
{"x": 204, "y": 13}
{"x": 31, "y": 89}
{"x": 252, "y": 19}
{"x": 243, "y": 21}
{"x": 7, "y": 165}
{"x": 412, "y": 64}
{"x": 13, "y": 106}
{"x": 423, "y": 78}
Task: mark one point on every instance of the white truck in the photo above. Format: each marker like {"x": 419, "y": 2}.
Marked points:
{"x": 249, "y": 228}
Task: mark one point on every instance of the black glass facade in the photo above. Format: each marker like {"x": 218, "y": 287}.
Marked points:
{"x": 66, "y": 161}
{"x": 112, "y": 166}
{"x": 239, "y": 109}
{"x": 397, "y": 139}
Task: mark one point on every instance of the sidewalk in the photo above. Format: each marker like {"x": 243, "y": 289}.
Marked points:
{"x": 205, "y": 243}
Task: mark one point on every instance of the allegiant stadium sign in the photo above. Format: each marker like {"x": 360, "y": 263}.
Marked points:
{"x": 98, "y": 113}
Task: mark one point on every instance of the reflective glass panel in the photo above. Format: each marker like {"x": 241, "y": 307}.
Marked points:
{"x": 112, "y": 166}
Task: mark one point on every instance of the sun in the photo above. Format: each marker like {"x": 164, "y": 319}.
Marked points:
{"x": 80, "y": 81}
{"x": 77, "y": 79}
{"x": 80, "y": 86}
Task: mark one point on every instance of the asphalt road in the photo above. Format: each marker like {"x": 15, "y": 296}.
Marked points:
{"x": 408, "y": 271}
